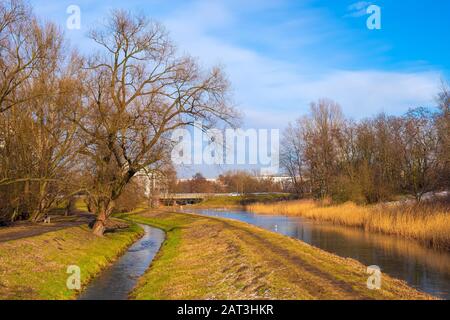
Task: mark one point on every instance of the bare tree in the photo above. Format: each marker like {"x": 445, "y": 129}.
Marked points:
{"x": 323, "y": 130}
{"x": 38, "y": 147}
{"x": 23, "y": 45}
{"x": 371, "y": 160}
{"x": 139, "y": 90}
{"x": 420, "y": 146}
{"x": 292, "y": 156}
{"x": 443, "y": 129}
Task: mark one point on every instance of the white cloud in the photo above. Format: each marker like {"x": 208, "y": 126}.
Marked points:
{"x": 272, "y": 92}
{"x": 364, "y": 93}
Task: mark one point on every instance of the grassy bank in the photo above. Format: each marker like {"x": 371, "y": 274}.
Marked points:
{"x": 210, "y": 258}
{"x": 428, "y": 223}
{"x": 35, "y": 267}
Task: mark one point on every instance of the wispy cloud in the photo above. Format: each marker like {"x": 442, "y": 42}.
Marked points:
{"x": 278, "y": 66}
{"x": 272, "y": 91}
{"x": 358, "y": 9}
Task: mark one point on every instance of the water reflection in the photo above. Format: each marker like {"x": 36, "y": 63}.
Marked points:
{"x": 119, "y": 280}
{"x": 425, "y": 269}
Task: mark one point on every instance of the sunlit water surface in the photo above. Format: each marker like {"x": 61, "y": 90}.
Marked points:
{"x": 118, "y": 281}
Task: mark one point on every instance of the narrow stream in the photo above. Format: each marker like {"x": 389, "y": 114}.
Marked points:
{"x": 426, "y": 269}
{"x": 118, "y": 281}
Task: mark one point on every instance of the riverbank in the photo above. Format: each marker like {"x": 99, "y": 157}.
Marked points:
{"x": 35, "y": 267}
{"x": 428, "y": 223}
{"x": 210, "y": 258}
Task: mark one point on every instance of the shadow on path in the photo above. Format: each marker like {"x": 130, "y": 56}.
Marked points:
{"x": 25, "y": 229}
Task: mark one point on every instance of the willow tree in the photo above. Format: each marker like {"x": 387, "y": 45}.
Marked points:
{"x": 139, "y": 91}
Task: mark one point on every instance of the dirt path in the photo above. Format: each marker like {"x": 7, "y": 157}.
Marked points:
{"x": 306, "y": 274}
{"x": 27, "y": 229}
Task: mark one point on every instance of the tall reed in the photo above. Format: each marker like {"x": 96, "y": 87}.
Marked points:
{"x": 427, "y": 222}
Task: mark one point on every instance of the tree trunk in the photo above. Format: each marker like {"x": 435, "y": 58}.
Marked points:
{"x": 100, "y": 223}
{"x": 70, "y": 208}
{"x": 104, "y": 211}
{"x": 39, "y": 212}
{"x": 36, "y": 215}
{"x": 41, "y": 209}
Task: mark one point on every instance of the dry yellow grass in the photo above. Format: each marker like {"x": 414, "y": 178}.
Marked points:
{"x": 206, "y": 258}
{"x": 428, "y": 223}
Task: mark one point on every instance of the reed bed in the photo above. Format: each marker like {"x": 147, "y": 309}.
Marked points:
{"x": 428, "y": 222}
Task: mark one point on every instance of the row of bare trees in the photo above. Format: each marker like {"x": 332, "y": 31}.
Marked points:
{"x": 72, "y": 123}
{"x": 241, "y": 182}
{"x": 372, "y": 160}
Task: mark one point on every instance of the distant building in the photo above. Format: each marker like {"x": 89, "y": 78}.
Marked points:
{"x": 156, "y": 185}
{"x": 213, "y": 180}
{"x": 277, "y": 179}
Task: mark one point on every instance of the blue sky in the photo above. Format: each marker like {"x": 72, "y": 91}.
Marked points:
{"x": 281, "y": 55}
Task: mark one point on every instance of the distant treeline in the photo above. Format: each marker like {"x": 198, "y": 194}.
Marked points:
{"x": 372, "y": 160}
{"x": 241, "y": 182}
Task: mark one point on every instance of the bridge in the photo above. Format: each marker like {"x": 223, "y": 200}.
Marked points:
{"x": 182, "y": 198}
{"x": 189, "y": 198}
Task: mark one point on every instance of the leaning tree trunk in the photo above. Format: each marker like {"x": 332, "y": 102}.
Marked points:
{"x": 41, "y": 207}
{"x": 104, "y": 210}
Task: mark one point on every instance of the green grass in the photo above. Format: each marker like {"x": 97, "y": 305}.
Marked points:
{"x": 35, "y": 267}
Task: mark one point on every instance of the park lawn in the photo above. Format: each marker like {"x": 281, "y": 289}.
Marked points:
{"x": 212, "y": 258}
{"x": 35, "y": 268}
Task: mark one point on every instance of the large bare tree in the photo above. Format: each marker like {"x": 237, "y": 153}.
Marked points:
{"x": 139, "y": 90}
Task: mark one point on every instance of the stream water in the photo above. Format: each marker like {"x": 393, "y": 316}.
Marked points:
{"x": 426, "y": 269}
{"x": 118, "y": 281}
